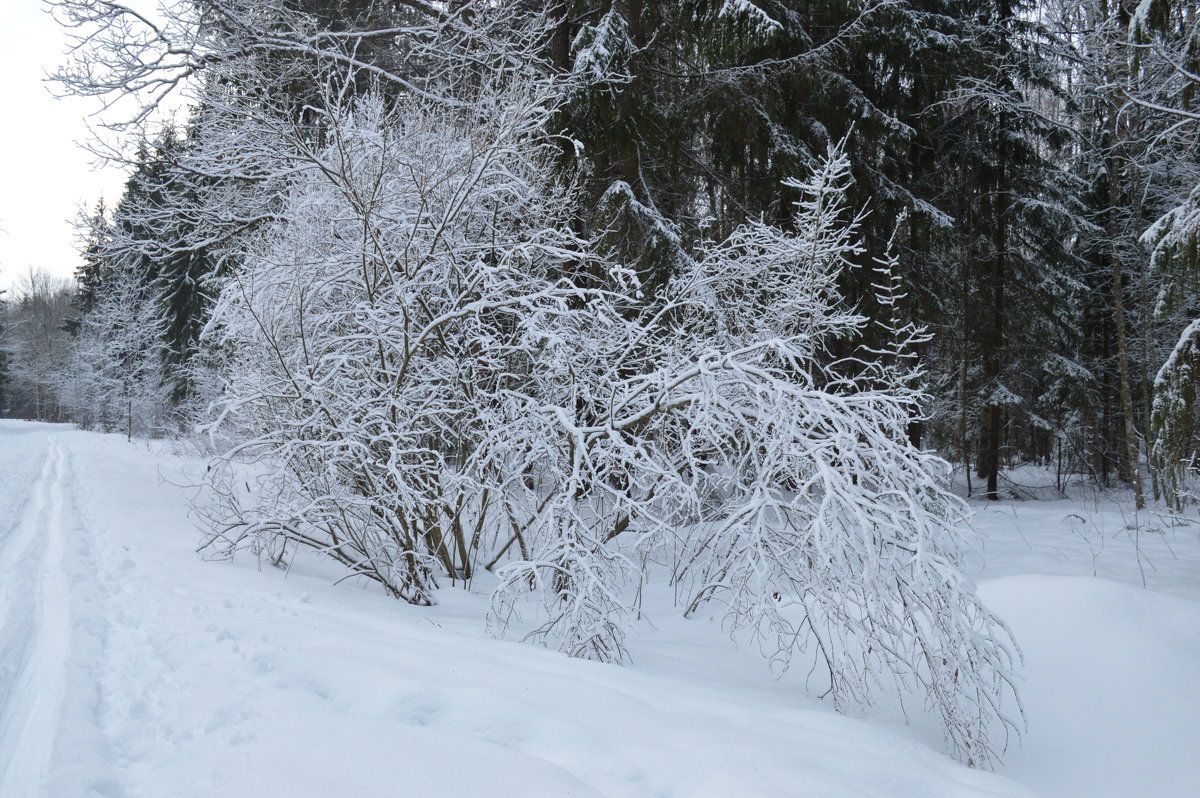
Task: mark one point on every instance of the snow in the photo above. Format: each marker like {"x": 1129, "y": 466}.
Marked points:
{"x": 130, "y": 667}
{"x": 737, "y": 9}
{"x": 1110, "y": 686}
{"x": 1104, "y": 603}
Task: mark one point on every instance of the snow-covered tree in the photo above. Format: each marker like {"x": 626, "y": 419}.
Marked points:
{"x": 115, "y": 380}
{"x": 1177, "y": 418}
{"x": 1164, "y": 37}
{"x": 37, "y": 344}
{"x": 371, "y": 328}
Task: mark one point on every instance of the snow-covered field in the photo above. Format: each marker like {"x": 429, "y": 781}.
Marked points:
{"x": 130, "y": 667}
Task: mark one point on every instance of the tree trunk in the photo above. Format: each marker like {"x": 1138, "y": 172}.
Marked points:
{"x": 993, "y": 421}
{"x": 964, "y": 455}
{"x": 1145, "y": 314}
{"x": 1131, "y": 440}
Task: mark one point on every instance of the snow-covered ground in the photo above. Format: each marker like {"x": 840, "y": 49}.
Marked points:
{"x": 130, "y": 667}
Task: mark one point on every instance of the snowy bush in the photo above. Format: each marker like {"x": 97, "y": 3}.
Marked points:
{"x": 373, "y": 329}
{"x": 428, "y": 373}
{"x": 719, "y": 437}
{"x": 427, "y": 391}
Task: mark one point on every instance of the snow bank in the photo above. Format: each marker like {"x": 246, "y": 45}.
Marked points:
{"x": 1111, "y": 686}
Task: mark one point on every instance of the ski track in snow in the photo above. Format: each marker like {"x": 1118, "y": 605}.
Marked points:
{"x": 37, "y": 641}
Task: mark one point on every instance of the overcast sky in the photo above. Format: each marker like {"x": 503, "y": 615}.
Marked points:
{"x": 47, "y": 177}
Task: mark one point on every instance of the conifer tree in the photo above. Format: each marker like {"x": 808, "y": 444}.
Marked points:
{"x": 156, "y": 238}
{"x": 1165, "y": 35}
{"x": 97, "y": 240}
{"x": 1012, "y": 204}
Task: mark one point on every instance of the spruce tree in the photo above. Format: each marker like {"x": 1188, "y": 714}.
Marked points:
{"x": 90, "y": 274}
{"x": 1166, "y": 42}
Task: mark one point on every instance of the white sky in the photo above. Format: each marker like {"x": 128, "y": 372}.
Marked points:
{"x": 46, "y": 176}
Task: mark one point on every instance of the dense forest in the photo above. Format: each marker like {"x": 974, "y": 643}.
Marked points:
{"x": 570, "y": 290}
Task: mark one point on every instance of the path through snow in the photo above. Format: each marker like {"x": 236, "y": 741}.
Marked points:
{"x": 37, "y": 631}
